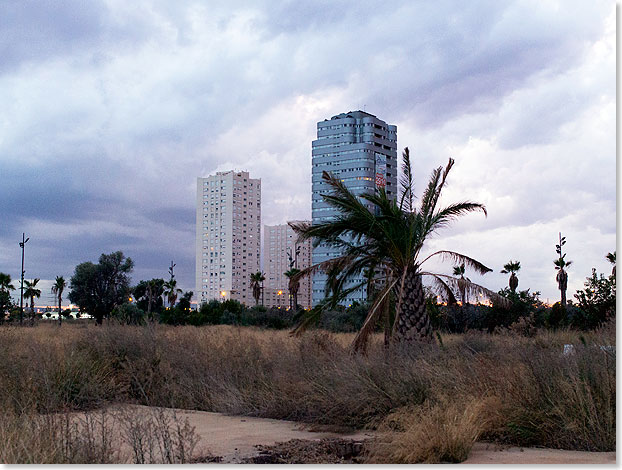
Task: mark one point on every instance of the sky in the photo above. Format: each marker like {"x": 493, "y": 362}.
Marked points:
{"x": 110, "y": 110}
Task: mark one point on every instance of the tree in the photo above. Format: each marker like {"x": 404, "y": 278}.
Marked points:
{"x": 57, "y": 290}
{"x": 256, "y": 284}
{"x": 293, "y": 286}
{"x": 374, "y": 231}
{"x": 98, "y": 288}
{"x": 5, "y": 295}
{"x": 171, "y": 291}
{"x": 560, "y": 265}
{"x": 149, "y": 296}
{"x": 597, "y": 301}
{"x": 30, "y": 293}
{"x": 611, "y": 257}
{"x": 462, "y": 283}
{"x": 512, "y": 268}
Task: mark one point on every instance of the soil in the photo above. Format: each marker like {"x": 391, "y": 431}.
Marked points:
{"x": 241, "y": 439}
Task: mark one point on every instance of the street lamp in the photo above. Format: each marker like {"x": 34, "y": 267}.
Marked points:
{"x": 21, "y": 296}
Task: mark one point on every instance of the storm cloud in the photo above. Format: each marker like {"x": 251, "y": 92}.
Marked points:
{"x": 111, "y": 109}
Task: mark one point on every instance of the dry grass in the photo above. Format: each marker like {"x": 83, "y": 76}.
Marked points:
{"x": 105, "y": 436}
{"x": 543, "y": 397}
{"x": 443, "y": 432}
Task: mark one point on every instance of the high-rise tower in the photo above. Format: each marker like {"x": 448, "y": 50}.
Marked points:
{"x": 228, "y": 230}
{"x": 361, "y": 150}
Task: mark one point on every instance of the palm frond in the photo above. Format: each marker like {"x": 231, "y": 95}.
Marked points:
{"x": 377, "y": 308}
{"x": 473, "y": 289}
{"x": 445, "y": 216}
{"x": 406, "y": 182}
{"x": 308, "y": 318}
{"x": 434, "y": 189}
{"x": 460, "y": 258}
{"x": 441, "y": 288}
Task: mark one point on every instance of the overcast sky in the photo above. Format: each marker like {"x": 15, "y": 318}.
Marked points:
{"x": 111, "y": 109}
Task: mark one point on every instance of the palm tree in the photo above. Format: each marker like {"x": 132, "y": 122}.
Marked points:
{"x": 611, "y": 257}
{"x": 293, "y": 286}
{"x": 389, "y": 235}
{"x": 171, "y": 292}
{"x": 560, "y": 265}
{"x": 512, "y": 267}
{"x": 153, "y": 290}
{"x": 5, "y": 283}
{"x": 462, "y": 283}
{"x": 31, "y": 292}
{"x": 256, "y": 284}
{"x": 57, "y": 289}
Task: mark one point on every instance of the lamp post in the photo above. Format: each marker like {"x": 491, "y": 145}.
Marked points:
{"x": 21, "y": 296}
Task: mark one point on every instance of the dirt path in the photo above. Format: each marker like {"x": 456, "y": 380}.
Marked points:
{"x": 240, "y": 439}
{"x": 483, "y": 453}
{"x": 234, "y": 438}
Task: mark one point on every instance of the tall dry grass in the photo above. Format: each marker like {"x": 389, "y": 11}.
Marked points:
{"x": 536, "y": 395}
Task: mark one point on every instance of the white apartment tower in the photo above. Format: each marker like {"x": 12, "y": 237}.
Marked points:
{"x": 280, "y": 250}
{"x": 228, "y": 231}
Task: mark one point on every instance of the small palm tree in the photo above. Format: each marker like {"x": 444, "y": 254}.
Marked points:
{"x": 30, "y": 293}
{"x": 154, "y": 289}
{"x": 611, "y": 257}
{"x": 388, "y": 238}
{"x": 57, "y": 289}
{"x": 512, "y": 268}
{"x": 293, "y": 286}
{"x": 560, "y": 265}
{"x": 256, "y": 285}
{"x": 462, "y": 283}
{"x": 171, "y": 291}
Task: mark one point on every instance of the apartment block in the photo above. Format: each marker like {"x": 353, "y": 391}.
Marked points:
{"x": 228, "y": 231}
{"x": 281, "y": 253}
{"x": 361, "y": 150}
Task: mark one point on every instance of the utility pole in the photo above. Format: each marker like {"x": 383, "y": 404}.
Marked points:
{"x": 21, "y": 296}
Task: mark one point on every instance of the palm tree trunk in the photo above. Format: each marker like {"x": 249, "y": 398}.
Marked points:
{"x": 413, "y": 322}
{"x": 60, "y": 316}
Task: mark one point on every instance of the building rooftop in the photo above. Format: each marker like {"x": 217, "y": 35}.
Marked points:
{"x": 352, "y": 114}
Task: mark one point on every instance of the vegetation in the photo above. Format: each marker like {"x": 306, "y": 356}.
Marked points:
{"x": 98, "y": 288}
{"x": 257, "y": 285}
{"x": 31, "y": 292}
{"x": 57, "y": 290}
{"x": 504, "y": 387}
{"x": 512, "y": 268}
{"x": 293, "y": 286}
{"x": 596, "y": 303}
{"x": 6, "y": 286}
{"x": 381, "y": 235}
{"x": 560, "y": 265}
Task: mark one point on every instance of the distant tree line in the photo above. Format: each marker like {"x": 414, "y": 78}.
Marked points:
{"x": 103, "y": 290}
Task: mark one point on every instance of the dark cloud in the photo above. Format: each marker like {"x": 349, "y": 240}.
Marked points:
{"x": 112, "y": 109}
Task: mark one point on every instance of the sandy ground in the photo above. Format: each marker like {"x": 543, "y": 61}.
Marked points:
{"x": 236, "y": 439}
{"x": 483, "y": 453}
